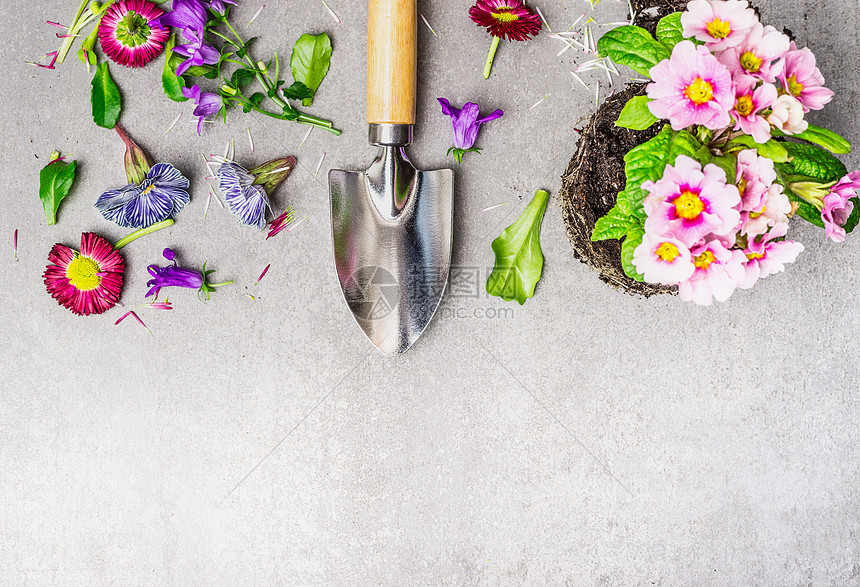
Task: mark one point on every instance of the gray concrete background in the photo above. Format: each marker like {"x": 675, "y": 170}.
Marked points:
{"x": 587, "y": 437}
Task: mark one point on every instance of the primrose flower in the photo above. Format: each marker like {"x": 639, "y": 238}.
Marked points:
{"x": 749, "y": 101}
{"x": 718, "y": 272}
{"x": 247, "y": 192}
{"x": 85, "y": 282}
{"x": 803, "y": 80}
{"x": 689, "y": 203}
{"x": 691, "y": 87}
{"x": 767, "y": 256}
{"x": 205, "y": 104}
{"x": 774, "y": 210}
{"x": 758, "y": 54}
{"x": 504, "y": 19}
{"x": 466, "y": 125}
{"x": 187, "y": 15}
{"x": 718, "y": 24}
{"x": 175, "y": 276}
{"x": 837, "y": 206}
{"x": 787, "y": 115}
{"x": 755, "y": 175}
{"x": 663, "y": 260}
{"x": 128, "y": 34}
{"x": 198, "y": 53}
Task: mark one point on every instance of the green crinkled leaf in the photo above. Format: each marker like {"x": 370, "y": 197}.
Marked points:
{"x": 105, "y": 97}
{"x": 636, "y": 114}
{"x": 685, "y": 143}
{"x": 814, "y": 162}
{"x": 670, "y": 31}
{"x": 55, "y": 181}
{"x": 615, "y": 223}
{"x": 729, "y": 164}
{"x": 805, "y": 210}
{"x": 634, "y": 47}
{"x": 310, "y": 62}
{"x": 854, "y": 218}
{"x": 823, "y": 137}
{"x": 773, "y": 150}
{"x": 171, "y": 83}
{"x": 644, "y": 162}
{"x": 631, "y": 241}
{"x": 519, "y": 259}
{"x": 242, "y": 77}
{"x": 298, "y": 91}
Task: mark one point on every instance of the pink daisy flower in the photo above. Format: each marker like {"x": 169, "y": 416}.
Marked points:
{"x": 691, "y": 87}
{"x": 749, "y": 101}
{"x": 689, "y": 203}
{"x": 127, "y": 34}
{"x": 758, "y": 54}
{"x": 663, "y": 260}
{"x": 718, "y": 24}
{"x": 718, "y": 272}
{"x": 85, "y": 282}
{"x": 508, "y": 19}
{"x": 767, "y": 256}
{"x": 838, "y": 206}
{"x": 803, "y": 80}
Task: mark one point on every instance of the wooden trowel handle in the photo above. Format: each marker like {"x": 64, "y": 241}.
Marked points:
{"x": 391, "y": 61}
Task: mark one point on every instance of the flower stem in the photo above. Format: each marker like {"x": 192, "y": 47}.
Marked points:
{"x": 67, "y": 42}
{"x": 219, "y": 284}
{"x": 490, "y": 56}
{"x": 142, "y": 232}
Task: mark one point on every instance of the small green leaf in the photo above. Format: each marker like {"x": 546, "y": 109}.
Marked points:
{"x": 519, "y": 259}
{"x": 310, "y": 62}
{"x": 773, "y": 150}
{"x": 670, "y": 31}
{"x": 729, "y": 164}
{"x": 298, "y": 91}
{"x": 242, "y": 77}
{"x": 636, "y": 114}
{"x": 55, "y": 181}
{"x": 854, "y": 218}
{"x": 615, "y": 223}
{"x": 813, "y": 162}
{"x": 105, "y": 97}
{"x": 86, "y": 53}
{"x": 685, "y": 143}
{"x": 171, "y": 83}
{"x": 634, "y": 47}
{"x": 823, "y": 137}
{"x": 631, "y": 241}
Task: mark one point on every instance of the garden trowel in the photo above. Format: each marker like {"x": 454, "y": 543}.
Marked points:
{"x": 392, "y": 224}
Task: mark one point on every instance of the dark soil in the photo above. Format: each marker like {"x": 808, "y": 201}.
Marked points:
{"x": 595, "y": 174}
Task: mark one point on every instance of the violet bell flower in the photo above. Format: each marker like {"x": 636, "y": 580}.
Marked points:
{"x": 205, "y": 104}
{"x": 465, "y": 124}
{"x": 198, "y": 53}
{"x": 218, "y": 6}
{"x": 175, "y": 276}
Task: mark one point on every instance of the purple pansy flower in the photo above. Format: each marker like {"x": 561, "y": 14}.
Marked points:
{"x": 466, "y": 124}
{"x": 188, "y": 15}
{"x": 205, "y": 103}
{"x": 198, "y": 53}
{"x": 175, "y": 276}
{"x": 161, "y": 195}
{"x": 246, "y": 199}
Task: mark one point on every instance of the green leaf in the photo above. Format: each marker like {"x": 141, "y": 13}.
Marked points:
{"x": 805, "y": 210}
{"x": 685, "y": 143}
{"x": 298, "y": 91}
{"x": 243, "y": 51}
{"x": 773, "y": 150}
{"x": 823, "y": 137}
{"x": 631, "y": 241}
{"x": 105, "y": 97}
{"x": 242, "y": 77}
{"x": 86, "y": 53}
{"x": 854, "y": 218}
{"x": 729, "y": 164}
{"x": 634, "y": 47}
{"x": 645, "y": 162}
{"x": 636, "y": 114}
{"x": 670, "y": 31}
{"x": 615, "y": 223}
{"x": 171, "y": 83}
{"x": 814, "y": 162}
{"x": 519, "y": 259}
{"x": 310, "y": 62}
{"x": 55, "y": 181}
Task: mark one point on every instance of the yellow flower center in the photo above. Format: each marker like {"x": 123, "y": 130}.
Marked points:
{"x": 146, "y": 191}
{"x": 719, "y": 29}
{"x": 83, "y": 272}
{"x": 757, "y": 214}
{"x": 751, "y": 62}
{"x": 795, "y": 87}
{"x": 505, "y": 15}
{"x": 667, "y": 252}
{"x": 704, "y": 260}
{"x": 744, "y": 106}
{"x": 752, "y": 256}
{"x": 742, "y": 187}
{"x": 688, "y": 205}
{"x": 699, "y": 91}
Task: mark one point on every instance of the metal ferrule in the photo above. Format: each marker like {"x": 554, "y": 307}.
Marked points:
{"x": 390, "y": 134}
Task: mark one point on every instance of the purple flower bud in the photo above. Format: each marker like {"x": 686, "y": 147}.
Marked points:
{"x": 172, "y": 276}
{"x": 206, "y": 103}
{"x": 466, "y": 122}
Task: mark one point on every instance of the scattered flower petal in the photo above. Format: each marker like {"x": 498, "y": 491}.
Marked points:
{"x": 263, "y": 274}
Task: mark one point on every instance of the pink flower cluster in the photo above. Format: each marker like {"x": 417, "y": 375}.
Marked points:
{"x": 745, "y": 73}
{"x": 710, "y": 237}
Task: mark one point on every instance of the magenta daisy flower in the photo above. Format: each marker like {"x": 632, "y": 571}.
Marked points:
{"x": 127, "y": 34}
{"x": 691, "y": 87}
{"x": 85, "y": 282}
{"x": 504, "y": 19}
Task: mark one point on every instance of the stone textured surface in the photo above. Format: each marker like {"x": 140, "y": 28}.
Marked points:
{"x": 587, "y": 437}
